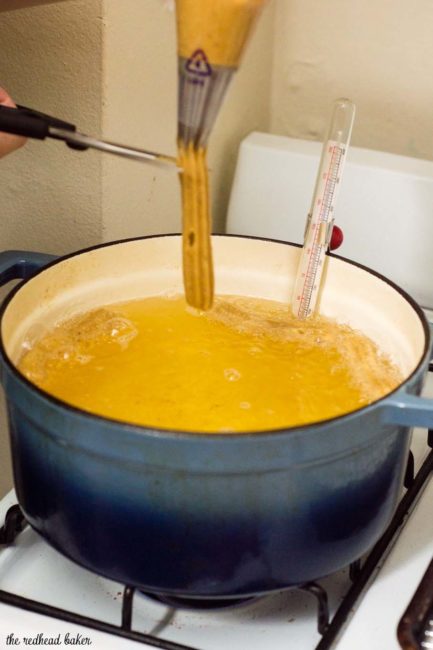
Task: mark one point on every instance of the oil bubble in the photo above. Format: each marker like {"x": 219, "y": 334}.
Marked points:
{"x": 231, "y": 374}
{"x": 121, "y": 330}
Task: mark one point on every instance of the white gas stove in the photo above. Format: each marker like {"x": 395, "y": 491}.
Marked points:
{"x": 92, "y": 611}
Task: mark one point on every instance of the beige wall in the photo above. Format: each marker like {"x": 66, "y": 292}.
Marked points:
{"x": 378, "y": 53}
{"x": 247, "y": 108}
{"x": 140, "y": 100}
{"x": 10, "y": 5}
{"x": 51, "y": 197}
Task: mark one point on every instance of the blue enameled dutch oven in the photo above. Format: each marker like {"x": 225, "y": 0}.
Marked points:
{"x": 195, "y": 515}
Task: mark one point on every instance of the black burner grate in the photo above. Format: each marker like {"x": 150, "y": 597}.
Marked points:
{"x": 415, "y": 630}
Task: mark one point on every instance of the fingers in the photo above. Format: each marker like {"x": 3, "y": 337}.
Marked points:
{"x": 6, "y": 99}
{"x": 8, "y": 142}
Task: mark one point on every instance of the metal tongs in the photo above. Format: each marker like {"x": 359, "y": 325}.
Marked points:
{"x": 33, "y": 124}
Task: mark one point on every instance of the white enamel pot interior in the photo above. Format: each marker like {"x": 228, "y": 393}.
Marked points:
{"x": 243, "y": 266}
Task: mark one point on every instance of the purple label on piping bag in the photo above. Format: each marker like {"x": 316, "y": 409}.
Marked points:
{"x": 198, "y": 64}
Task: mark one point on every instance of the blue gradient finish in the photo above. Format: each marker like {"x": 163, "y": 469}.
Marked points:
{"x": 208, "y": 516}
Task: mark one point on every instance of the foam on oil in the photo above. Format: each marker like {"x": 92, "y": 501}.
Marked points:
{"x": 246, "y": 365}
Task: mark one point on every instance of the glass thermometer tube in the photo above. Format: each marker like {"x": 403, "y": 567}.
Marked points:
{"x": 320, "y": 219}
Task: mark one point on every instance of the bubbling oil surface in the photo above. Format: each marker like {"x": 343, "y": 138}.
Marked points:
{"x": 246, "y": 365}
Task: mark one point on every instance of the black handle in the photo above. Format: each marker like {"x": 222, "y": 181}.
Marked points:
{"x": 12, "y": 120}
{"x": 49, "y": 119}
{"x": 29, "y": 123}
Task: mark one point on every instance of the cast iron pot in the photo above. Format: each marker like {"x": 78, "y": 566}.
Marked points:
{"x": 210, "y": 516}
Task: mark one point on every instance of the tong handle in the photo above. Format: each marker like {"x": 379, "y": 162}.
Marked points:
{"x": 34, "y": 124}
{"x": 29, "y": 123}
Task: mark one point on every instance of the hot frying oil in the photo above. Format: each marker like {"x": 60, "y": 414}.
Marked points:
{"x": 245, "y": 365}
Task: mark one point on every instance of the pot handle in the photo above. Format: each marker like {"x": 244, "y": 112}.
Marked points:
{"x": 408, "y": 410}
{"x": 15, "y": 265}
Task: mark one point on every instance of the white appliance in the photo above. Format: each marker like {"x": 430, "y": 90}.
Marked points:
{"x": 385, "y": 205}
{"x": 385, "y": 210}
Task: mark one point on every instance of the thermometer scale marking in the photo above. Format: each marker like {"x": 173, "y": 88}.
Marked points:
{"x": 320, "y": 220}
{"x": 319, "y": 229}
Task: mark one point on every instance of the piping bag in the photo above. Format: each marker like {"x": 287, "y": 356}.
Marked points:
{"x": 211, "y": 38}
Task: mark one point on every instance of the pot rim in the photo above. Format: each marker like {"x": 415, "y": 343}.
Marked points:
{"x": 194, "y": 435}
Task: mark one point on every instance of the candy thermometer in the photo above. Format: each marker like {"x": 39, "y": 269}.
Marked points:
{"x": 320, "y": 219}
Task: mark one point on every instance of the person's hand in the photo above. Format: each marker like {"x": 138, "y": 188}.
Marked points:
{"x": 8, "y": 142}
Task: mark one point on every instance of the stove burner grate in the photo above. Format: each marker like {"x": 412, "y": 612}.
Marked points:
{"x": 415, "y": 630}
{"x": 199, "y": 604}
